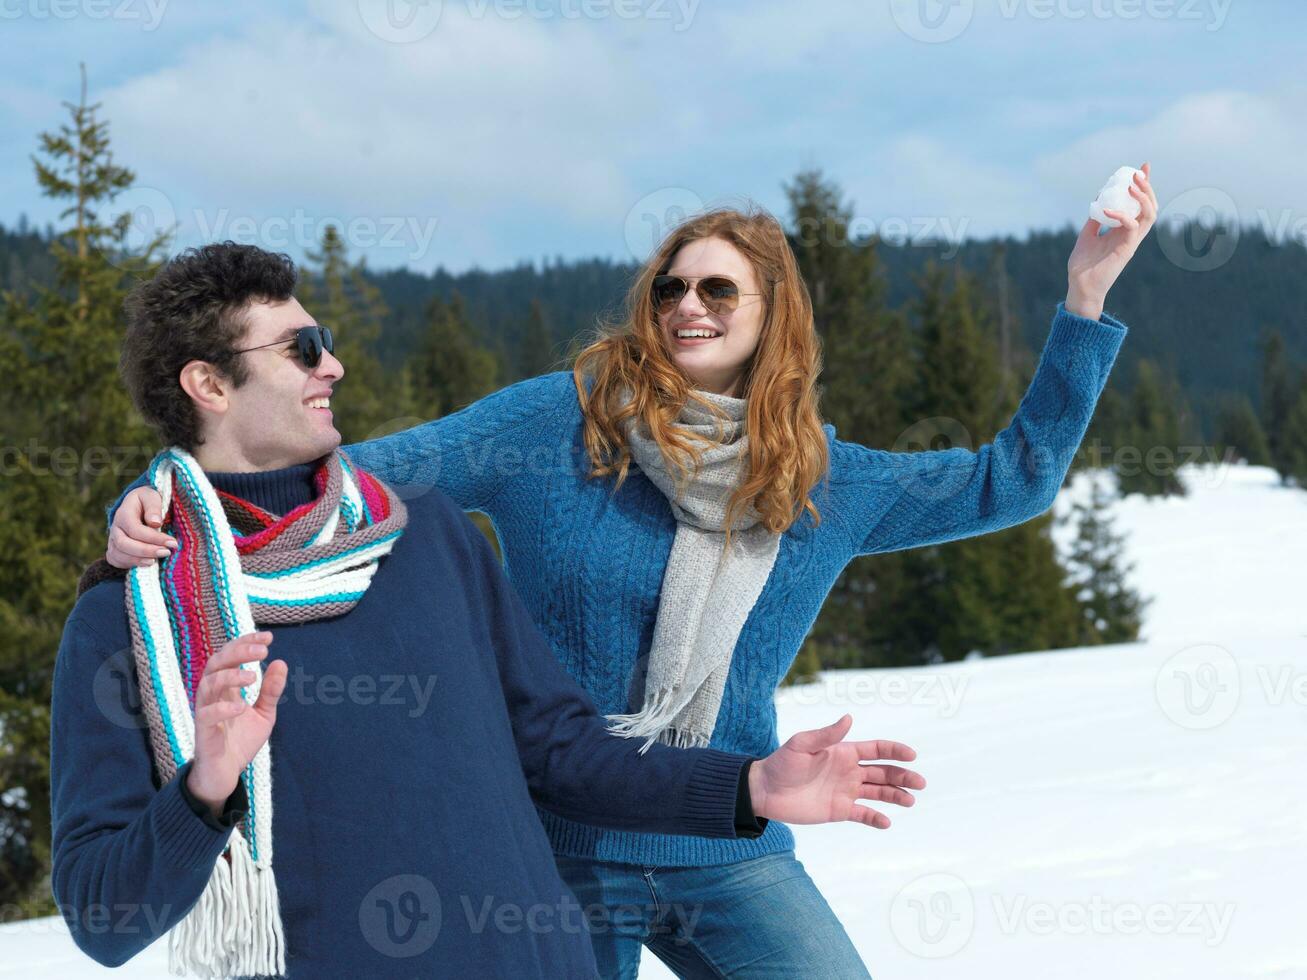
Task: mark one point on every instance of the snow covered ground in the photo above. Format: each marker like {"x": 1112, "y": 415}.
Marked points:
{"x": 1134, "y": 811}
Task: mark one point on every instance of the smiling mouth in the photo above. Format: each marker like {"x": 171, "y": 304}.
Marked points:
{"x": 696, "y": 333}
{"x": 319, "y": 403}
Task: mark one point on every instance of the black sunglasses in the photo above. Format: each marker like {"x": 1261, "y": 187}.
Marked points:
{"x": 312, "y": 341}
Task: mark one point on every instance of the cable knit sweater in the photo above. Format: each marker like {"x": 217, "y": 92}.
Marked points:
{"x": 589, "y": 563}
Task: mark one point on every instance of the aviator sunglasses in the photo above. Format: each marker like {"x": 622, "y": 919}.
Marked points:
{"x": 311, "y": 341}
{"x": 717, "y": 293}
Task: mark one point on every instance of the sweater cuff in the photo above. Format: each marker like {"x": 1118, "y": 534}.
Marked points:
{"x": 747, "y": 823}
{"x": 233, "y": 811}
{"x": 712, "y": 793}
{"x": 185, "y": 838}
{"x": 1106, "y": 333}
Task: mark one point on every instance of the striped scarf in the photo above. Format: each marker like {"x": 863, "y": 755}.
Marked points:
{"x": 238, "y": 566}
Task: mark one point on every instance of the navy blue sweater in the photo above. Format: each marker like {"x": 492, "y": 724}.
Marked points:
{"x": 414, "y": 737}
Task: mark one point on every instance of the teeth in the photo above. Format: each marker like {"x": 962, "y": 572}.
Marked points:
{"x": 696, "y": 333}
{"x": 319, "y": 402}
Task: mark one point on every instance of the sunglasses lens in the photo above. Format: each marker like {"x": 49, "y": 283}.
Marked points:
{"x": 310, "y": 346}
{"x": 667, "y": 292}
{"x": 719, "y": 295}
{"x": 327, "y": 344}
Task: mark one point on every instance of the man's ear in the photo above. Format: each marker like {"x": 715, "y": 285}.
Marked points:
{"x": 206, "y": 385}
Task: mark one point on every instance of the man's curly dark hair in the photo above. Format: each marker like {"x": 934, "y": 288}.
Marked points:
{"x": 193, "y": 309}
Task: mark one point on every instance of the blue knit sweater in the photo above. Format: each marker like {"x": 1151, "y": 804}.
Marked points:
{"x": 589, "y": 563}
{"x": 414, "y": 737}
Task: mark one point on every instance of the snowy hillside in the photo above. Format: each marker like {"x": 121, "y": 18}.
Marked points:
{"x": 1135, "y": 811}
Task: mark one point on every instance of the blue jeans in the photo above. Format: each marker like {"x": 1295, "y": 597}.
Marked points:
{"x": 758, "y": 918}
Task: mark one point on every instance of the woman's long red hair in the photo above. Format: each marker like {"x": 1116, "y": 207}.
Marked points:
{"x": 787, "y": 454}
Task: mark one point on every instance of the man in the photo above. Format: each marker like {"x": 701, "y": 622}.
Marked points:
{"x": 394, "y": 750}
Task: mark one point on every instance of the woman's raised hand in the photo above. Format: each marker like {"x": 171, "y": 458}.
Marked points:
{"x": 1097, "y": 260}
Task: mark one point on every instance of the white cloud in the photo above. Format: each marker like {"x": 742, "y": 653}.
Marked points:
{"x": 943, "y": 189}
{"x": 324, "y": 115}
{"x": 1248, "y": 145}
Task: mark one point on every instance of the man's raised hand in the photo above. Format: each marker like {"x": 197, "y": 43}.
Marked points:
{"x": 228, "y": 731}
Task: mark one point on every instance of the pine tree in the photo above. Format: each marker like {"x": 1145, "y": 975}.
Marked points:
{"x": 73, "y": 440}
{"x": 1037, "y": 609}
{"x": 957, "y": 380}
{"x": 1153, "y": 436}
{"x": 339, "y": 295}
{"x": 536, "y": 355}
{"x": 1239, "y": 434}
{"x": 449, "y": 370}
{"x": 1278, "y": 397}
{"x": 1002, "y": 592}
{"x": 864, "y": 346}
{"x": 1293, "y": 440}
{"x": 1005, "y": 304}
{"x": 863, "y": 381}
{"x": 1112, "y": 611}
{"x": 956, "y": 351}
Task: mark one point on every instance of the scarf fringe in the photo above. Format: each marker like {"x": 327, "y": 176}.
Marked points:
{"x": 653, "y": 723}
{"x": 683, "y": 738}
{"x": 235, "y": 927}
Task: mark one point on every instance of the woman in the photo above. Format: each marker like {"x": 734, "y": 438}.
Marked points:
{"x": 673, "y": 514}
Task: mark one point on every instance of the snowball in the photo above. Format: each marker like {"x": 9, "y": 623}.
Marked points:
{"x": 1116, "y": 196}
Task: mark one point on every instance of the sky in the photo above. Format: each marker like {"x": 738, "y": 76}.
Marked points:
{"x": 485, "y": 133}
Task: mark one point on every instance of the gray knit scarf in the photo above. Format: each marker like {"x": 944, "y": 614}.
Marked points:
{"x": 706, "y": 593}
